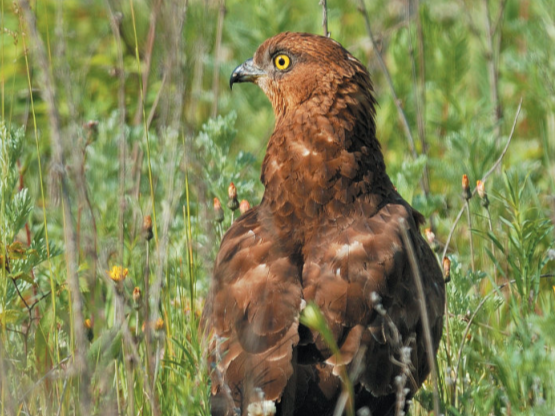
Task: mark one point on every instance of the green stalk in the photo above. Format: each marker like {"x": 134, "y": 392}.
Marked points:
{"x": 138, "y": 59}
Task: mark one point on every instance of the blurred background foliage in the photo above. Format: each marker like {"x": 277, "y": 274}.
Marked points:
{"x": 142, "y": 125}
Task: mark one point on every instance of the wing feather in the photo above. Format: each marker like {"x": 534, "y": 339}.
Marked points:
{"x": 252, "y": 315}
{"x": 349, "y": 270}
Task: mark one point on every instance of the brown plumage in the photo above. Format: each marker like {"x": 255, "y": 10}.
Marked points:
{"x": 328, "y": 231}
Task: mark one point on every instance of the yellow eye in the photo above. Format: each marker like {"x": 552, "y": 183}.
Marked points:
{"x": 282, "y": 62}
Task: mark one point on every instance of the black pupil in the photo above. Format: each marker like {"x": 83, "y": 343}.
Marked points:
{"x": 281, "y": 62}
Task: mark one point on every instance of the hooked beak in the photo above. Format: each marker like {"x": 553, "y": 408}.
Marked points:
{"x": 246, "y": 72}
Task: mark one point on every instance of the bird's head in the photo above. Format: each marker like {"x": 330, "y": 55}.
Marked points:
{"x": 293, "y": 68}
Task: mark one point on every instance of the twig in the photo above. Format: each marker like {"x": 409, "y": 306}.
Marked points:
{"x": 498, "y": 161}
{"x": 38, "y": 300}
{"x": 423, "y": 312}
{"x": 218, "y": 47}
{"x": 324, "y": 4}
{"x": 21, "y": 297}
{"x": 486, "y": 175}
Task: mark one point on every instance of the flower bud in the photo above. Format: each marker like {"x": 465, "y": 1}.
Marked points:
{"x": 244, "y": 206}
{"x": 232, "y": 202}
{"x": 232, "y": 191}
{"x": 218, "y": 211}
{"x": 481, "y": 188}
{"x": 91, "y": 125}
{"x": 147, "y": 228}
{"x": 466, "y": 187}
{"x": 89, "y": 329}
{"x": 447, "y": 269}
{"x": 137, "y": 295}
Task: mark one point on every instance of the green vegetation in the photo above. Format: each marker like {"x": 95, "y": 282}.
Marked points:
{"x": 114, "y": 114}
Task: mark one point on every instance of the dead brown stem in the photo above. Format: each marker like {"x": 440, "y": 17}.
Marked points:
{"x": 423, "y": 312}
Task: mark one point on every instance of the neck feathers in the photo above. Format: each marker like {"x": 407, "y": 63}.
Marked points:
{"x": 324, "y": 156}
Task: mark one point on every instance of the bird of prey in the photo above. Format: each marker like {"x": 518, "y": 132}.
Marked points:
{"x": 328, "y": 231}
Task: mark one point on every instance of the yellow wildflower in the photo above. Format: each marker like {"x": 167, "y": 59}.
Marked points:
{"x": 118, "y": 273}
{"x": 159, "y": 324}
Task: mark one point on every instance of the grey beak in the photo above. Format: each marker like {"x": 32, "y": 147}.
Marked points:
{"x": 246, "y": 72}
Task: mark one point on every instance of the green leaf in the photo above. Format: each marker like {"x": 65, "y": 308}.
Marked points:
{"x": 9, "y": 316}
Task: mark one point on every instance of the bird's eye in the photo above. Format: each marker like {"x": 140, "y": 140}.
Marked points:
{"x": 282, "y": 62}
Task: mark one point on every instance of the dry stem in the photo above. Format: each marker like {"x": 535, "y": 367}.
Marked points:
{"x": 423, "y": 312}
{"x": 324, "y": 4}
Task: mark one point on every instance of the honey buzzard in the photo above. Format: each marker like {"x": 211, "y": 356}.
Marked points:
{"x": 328, "y": 231}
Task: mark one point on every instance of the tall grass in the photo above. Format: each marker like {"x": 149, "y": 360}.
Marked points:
{"x": 107, "y": 123}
